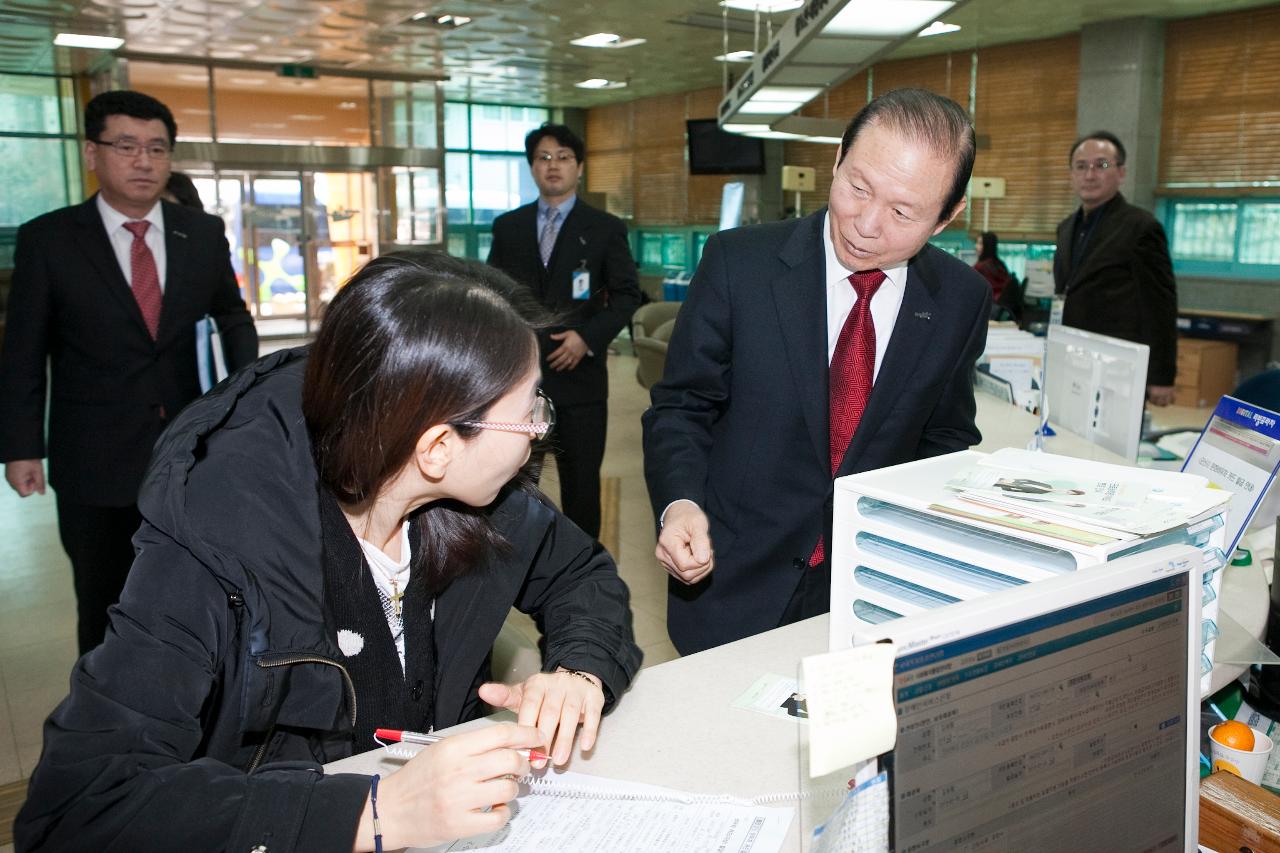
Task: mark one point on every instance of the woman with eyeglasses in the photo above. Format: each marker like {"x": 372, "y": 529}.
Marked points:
{"x": 332, "y": 539}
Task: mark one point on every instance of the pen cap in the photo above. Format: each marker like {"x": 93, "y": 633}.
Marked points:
{"x": 387, "y": 734}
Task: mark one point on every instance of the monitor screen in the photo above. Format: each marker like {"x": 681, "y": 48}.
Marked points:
{"x": 1064, "y": 721}
{"x": 1096, "y": 386}
{"x": 713, "y": 151}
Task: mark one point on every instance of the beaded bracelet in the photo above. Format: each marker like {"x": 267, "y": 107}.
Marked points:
{"x": 373, "y": 801}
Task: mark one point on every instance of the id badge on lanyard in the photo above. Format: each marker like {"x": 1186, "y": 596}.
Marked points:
{"x": 582, "y": 281}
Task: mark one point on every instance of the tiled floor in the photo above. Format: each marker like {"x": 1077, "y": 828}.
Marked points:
{"x": 37, "y": 605}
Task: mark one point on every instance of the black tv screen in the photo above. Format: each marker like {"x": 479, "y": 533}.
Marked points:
{"x": 712, "y": 151}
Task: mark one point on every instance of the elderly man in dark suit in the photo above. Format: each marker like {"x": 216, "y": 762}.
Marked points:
{"x": 810, "y": 349}
{"x": 1112, "y": 264}
{"x": 108, "y": 292}
{"x": 576, "y": 260}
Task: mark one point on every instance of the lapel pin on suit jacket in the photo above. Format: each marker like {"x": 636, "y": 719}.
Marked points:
{"x": 924, "y": 315}
{"x": 175, "y": 232}
{"x": 582, "y": 240}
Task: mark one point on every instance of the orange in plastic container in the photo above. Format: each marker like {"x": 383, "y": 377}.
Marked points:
{"x": 1234, "y": 734}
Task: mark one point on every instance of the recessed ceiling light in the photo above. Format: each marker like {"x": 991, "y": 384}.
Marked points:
{"x": 81, "y": 40}
{"x": 767, "y": 6}
{"x": 600, "y": 83}
{"x": 937, "y": 28}
{"x": 609, "y": 40}
{"x": 736, "y": 56}
{"x": 442, "y": 20}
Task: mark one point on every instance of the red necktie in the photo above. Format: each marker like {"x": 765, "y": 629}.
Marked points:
{"x": 146, "y": 281}
{"x": 852, "y": 372}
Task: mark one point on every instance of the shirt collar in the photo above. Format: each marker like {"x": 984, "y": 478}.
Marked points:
{"x": 838, "y": 274}
{"x": 113, "y": 220}
{"x": 564, "y": 207}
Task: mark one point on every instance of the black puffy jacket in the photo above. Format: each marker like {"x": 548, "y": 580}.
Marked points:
{"x": 203, "y": 719}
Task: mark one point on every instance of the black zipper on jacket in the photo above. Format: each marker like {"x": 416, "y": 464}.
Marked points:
{"x": 288, "y": 660}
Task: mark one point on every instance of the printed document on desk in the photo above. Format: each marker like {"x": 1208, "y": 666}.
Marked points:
{"x": 572, "y": 812}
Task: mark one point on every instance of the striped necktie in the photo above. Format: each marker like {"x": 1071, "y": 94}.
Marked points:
{"x": 145, "y": 280}
{"x": 547, "y": 240}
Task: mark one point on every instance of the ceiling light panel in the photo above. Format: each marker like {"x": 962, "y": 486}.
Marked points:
{"x": 878, "y": 18}
{"x": 89, "y": 41}
{"x": 611, "y": 41}
{"x": 766, "y": 6}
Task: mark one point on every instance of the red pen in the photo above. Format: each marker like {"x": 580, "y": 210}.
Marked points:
{"x": 398, "y": 736}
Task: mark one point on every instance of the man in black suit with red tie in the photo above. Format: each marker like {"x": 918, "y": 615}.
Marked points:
{"x": 807, "y": 350}
{"x": 576, "y": 260}
{"x": 107, "y": 293}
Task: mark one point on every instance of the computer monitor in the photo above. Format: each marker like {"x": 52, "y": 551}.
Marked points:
{"x": 1058, "y": 716}
{"x": 1095, "y": 386}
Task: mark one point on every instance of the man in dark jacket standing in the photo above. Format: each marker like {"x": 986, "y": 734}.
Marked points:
{"x": 576, "y": 260}
{"x": 1113, "y": 266}
{"x": 109, "y": 292}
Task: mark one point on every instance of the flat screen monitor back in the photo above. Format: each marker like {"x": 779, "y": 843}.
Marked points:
{"x": 1057, "y": 716}
{"x": 1095, "y": 386}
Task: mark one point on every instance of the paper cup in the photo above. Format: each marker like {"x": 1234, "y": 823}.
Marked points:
{"x": 1246, "y": 765}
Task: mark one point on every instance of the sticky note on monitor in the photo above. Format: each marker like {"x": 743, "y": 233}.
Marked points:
{"x": 850, "y": 700}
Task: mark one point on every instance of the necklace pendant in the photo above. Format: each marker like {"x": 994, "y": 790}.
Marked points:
{"x": 396, "y": 595}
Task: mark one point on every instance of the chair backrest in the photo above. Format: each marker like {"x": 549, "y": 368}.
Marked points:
{"x": 1261, "y": 390}
{"x": 650, "y": 316}
{"x": 651, "y": 354}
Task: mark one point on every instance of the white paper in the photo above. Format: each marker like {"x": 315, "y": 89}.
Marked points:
{"x": 850, "y": 699}
{"x": 577, "y": 813}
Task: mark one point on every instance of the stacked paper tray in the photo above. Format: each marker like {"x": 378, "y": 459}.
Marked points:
{"x": 895, "y": 553}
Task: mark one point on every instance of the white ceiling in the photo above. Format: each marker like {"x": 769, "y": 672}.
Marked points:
{"x": 514, "y": 51}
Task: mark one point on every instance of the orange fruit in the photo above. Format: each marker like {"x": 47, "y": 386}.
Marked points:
{"x": 1234, "y": 734}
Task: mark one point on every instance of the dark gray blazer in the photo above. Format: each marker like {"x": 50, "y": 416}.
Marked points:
{"x": 739, "y": 422}
{"x": 112, "y": 388}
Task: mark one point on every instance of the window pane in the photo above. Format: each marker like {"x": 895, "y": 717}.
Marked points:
{"x": 29, "y": 104}
{"x": 503, "y": 128}
{"x": 456, "y": 132}
{"x": 1260, "y": 233}
{"x": 426, "y": 205}
{"x": 1204, "y": 231}
{"x": 457, "y": 244}
{"x": 25, "y": 193}
{"x": 500, "y": 182}
{"x": 457, "y": 188}
{"x": 406, "y": 114}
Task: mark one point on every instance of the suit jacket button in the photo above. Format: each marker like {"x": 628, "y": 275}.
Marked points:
{"x": 797, "y": 563}
{"x": 415, "y": 692}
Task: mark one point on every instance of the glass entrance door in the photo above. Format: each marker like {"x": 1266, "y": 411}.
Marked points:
{"x": 295, "y": 237}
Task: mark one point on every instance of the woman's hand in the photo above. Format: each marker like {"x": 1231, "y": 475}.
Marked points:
{"x": 557, "y": 703}
{"x": 456, "y": 788}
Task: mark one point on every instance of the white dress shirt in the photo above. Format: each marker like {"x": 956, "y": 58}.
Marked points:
{"x": 122, "y": 238}
{"x": 841, "y": 298}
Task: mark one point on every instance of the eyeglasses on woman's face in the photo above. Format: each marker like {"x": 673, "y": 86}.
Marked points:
{"x": 542, "y": 419}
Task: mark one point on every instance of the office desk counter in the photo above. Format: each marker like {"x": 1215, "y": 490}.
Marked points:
{"x": 677, "y": 726}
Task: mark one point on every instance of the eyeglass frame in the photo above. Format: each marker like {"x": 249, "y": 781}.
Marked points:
{"x": 1082, "y": 166}
{"x": 535, "y": 428}
{"x": 153, "y": 150}
{"x": 559, "y": 157}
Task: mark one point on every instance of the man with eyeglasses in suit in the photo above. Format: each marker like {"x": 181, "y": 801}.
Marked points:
{"x": 107, "y": 293}
{"x": 576, "y": 260}
{"x": 1112, "y": 264}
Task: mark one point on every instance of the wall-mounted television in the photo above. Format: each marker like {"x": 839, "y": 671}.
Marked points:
{"x": 712, "y": 151}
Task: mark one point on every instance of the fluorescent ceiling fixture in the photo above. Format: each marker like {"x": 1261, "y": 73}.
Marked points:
{"x": 81, "y": 40}
{"x": 736, "y": 56}
{"x": 600, "y": 83}
{"x": 737, "y": 127}
{"x": 786, "y": 94}
{"x": 769, "y": 6}
{"x": 769, "y": 108}
{"x": 610, "y": 40}
{"x": 938, "y": 28}
{"x": 878, "y": 18}
{"x": 444, "y": 20}
{"x": 766, "y": 133}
